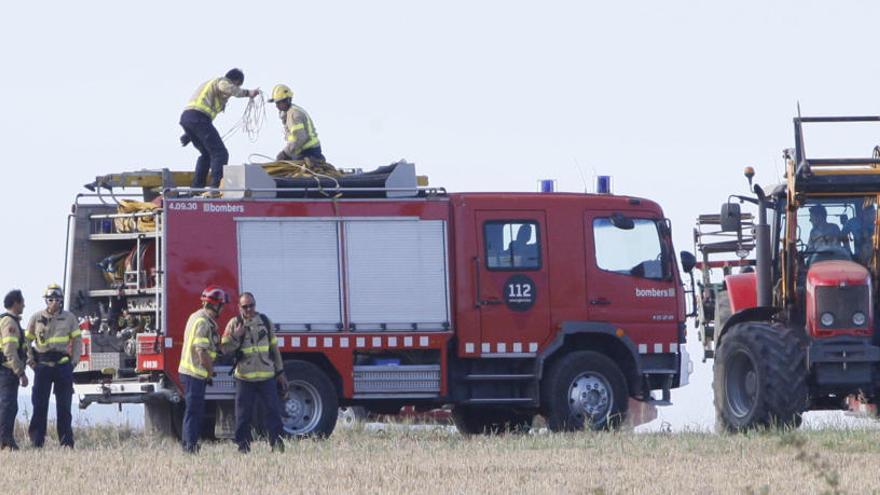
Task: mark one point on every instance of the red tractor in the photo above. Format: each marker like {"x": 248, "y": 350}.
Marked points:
{"x": 792, "y": 329}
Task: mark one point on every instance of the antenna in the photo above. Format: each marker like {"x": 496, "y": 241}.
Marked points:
{"x": 581, "y": 172}
{"x": 799, "y": 108}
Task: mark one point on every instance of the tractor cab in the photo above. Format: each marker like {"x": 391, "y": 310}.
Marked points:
{"x": 793, "y": 328}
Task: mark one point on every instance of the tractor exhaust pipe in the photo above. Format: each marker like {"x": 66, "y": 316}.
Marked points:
{"x": 762, "y": 255}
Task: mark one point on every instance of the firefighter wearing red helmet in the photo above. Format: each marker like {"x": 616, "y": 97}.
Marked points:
{"x": 200, "y": 346}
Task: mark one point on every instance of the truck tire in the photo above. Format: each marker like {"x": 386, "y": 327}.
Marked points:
{"x": 351, "y": 416}
{"x": 584, "y": 389}
{"x": 473, "y": 420}
{"x": 163, "y": 419}
{"x": 311, "y": 407}
{"x": 760, "y": 377}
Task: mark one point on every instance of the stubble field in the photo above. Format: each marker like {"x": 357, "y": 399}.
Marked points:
{"x": 436, "y": 460}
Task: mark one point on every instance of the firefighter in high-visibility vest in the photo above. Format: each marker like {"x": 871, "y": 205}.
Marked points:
{"x": 54, "y": 348}
{"x": 197, "y": 119}
{"x": 200, "y": 346}
{"x": 259, "y": 372}
{"x": 12, "y": 370}
{"x": 299, "y": 130}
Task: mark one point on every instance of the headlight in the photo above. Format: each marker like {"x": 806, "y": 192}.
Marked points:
{"x": 827, "y": 319}
{"x": 859, "y": 318}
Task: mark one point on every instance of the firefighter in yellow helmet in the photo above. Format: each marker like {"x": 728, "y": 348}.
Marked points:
{"x": 54, "y": 348}
{"x": 200, "y": 346}
{"x": 197, "y": 119}
{"x": 299, "y": 130}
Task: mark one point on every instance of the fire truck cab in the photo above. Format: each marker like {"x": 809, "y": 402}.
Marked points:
{"x": 501, "y": 305}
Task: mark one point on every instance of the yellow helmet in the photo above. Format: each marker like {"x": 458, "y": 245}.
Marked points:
{"x": 53, "y": 290}
{"x": 280, "y": 92}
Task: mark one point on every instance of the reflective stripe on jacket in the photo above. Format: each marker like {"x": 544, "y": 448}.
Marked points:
{"x": 57, "y": 333}
{"x": 211, "y": 96}
{"x": 200, "y": 333}
{"x": 259, "y": 359}
{"x": 12, "y": 340}
{"x": 299, "y": 131}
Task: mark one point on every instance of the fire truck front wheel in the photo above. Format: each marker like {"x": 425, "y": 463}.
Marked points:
{"x": 311, "y": 406}
{"x": 760, "y": 377}
{"x": 584, "y": 389}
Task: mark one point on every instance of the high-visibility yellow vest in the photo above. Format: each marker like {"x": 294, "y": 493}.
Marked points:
{"x": 189, "y": 364}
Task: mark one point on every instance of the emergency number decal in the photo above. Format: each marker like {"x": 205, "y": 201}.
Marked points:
{"x": 519, "y": 293}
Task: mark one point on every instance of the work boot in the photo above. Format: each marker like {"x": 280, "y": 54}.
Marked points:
{"x": 8, "y": 445}
{"x": 278, "y": 446}
{"x": 244, "y": 448}
{"x": 191, "y": 449}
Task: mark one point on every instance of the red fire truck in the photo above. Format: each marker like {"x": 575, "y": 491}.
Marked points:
{"x": 385, "y": 294}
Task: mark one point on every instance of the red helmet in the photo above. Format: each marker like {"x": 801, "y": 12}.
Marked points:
{"x": 214, "y": 295}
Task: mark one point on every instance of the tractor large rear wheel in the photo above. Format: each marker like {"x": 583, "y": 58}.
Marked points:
{"x": 760, "y": 377}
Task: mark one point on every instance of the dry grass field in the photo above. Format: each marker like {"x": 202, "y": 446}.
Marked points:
{"x": 436, "y": 460}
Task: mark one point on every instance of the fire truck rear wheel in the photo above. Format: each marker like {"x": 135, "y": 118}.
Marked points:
{"x": 760, "y": 377}
{"x": 472, "y": 420}
{"x": 163, "y": 419}
{"x": 311, "y": 406}
{"x": 584, "y": 389}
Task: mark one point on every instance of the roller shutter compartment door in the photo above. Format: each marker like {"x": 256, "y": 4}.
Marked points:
{"x": 397, "y": 274}
{"x": 292, "y": 267}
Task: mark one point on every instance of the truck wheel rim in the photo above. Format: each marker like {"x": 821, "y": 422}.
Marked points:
{"x": 590, "y": 397}
{"x": 302, "y": 409}
{"x": 741, "y": 384}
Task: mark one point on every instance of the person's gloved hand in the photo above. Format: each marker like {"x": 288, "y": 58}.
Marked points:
{"x": 254, "y": 92}
{"x": 185, "y": 140}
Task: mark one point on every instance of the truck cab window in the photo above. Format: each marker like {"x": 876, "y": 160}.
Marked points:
{"x": 632, "y": 251}
{"x": 512, "y": 245}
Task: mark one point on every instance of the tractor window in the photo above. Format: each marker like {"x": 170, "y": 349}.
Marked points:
{"x": 632, "y": 251}
{"x": 836, "y": 228}
{"x": 512, "y": 245}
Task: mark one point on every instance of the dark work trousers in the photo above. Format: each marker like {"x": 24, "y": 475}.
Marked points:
{"x": 206, "y": 139}
{"x": 8, "y": 406}
{"x": 47, "y": 378}
{"x": 314, "y": 153}
{"x": 194, "y": 396}
{"x": 245, "y": 394}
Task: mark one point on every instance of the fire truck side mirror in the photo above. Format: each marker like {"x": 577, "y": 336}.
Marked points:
{"x": 688, "y": 261}
{"x": 622, "y": 222}
{"x": 731, "y": 217}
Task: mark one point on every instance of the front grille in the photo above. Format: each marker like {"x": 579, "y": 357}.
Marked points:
{"x": 842, "y": 302}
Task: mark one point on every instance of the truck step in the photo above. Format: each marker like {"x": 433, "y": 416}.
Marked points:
{"x": 493, "y": 400}
{"x": 659, "y": 402}
{"x": 483, "y": 378}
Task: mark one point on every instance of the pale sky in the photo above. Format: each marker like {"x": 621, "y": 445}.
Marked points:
{"x": 672, "y": 98}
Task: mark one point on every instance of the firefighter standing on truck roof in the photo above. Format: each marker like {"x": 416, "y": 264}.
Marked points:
{"x": 54, "y": 348}
{"x": 299, "y": 130}
{"x": 259, "y": 372}
{"x": 197, "y": 362}
{"x": 12, "y": 372}
{"x": 197, "y": 119}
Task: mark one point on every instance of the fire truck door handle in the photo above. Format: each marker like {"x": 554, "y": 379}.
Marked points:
{"x": 600, "y": 301}
{"x": 491, "y": 301}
